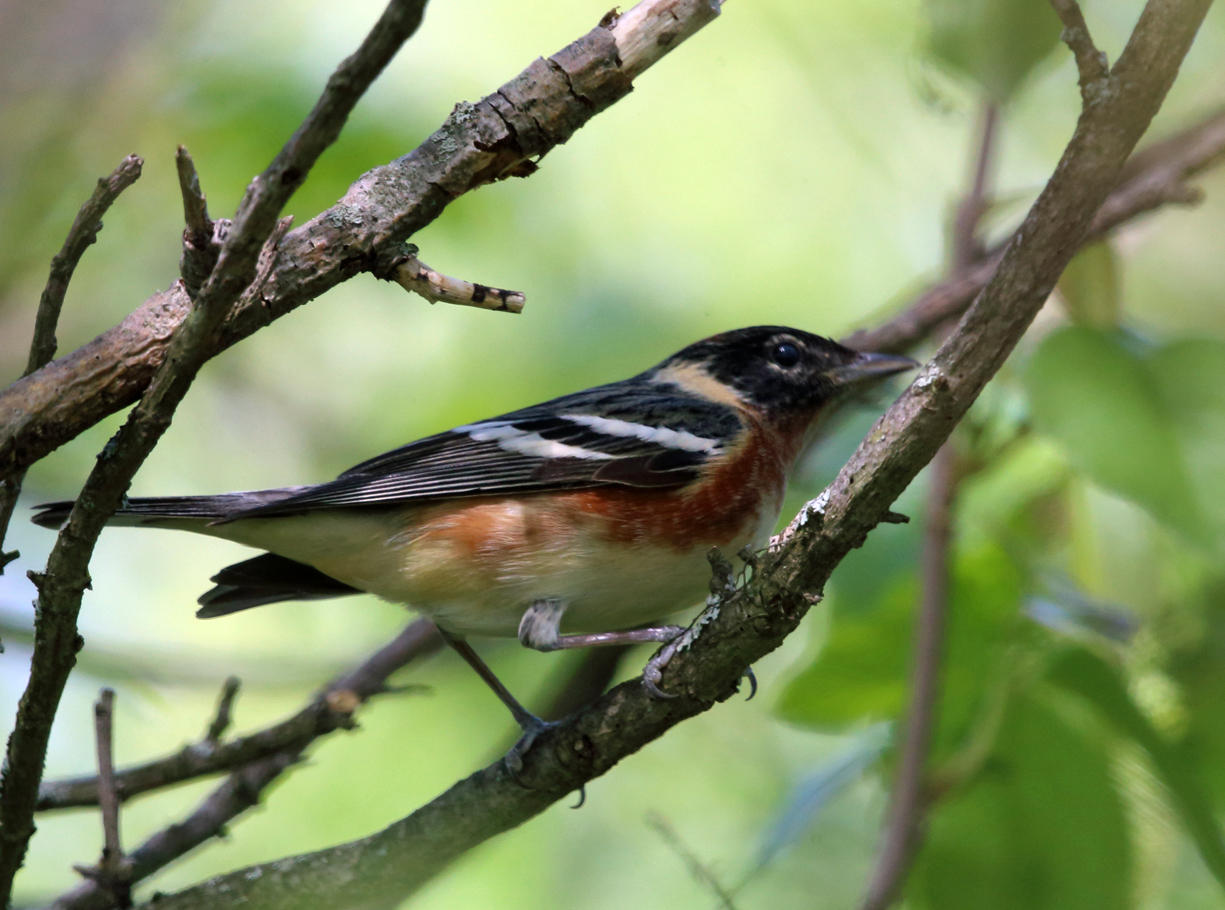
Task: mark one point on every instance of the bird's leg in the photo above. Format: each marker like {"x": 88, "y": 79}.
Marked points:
{"x": 531, "y": 725}
{"x": 540, "y": 629}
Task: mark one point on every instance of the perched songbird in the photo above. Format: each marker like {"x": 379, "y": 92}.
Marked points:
{"x": 564, "y": 523}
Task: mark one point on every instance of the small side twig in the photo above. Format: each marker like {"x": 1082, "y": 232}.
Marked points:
{"x": 201, "y": 243}
{"x": 696, "y": 867}
{"x": 225, "y": 704}
{"x": 82, "y": 233}
{"x": 1091, "y": 64}
{"x": 415, "y": 276}
{"x": 965, "y": 242}
{"x": 195, "y": 205}
{"x": 113, "y": 871}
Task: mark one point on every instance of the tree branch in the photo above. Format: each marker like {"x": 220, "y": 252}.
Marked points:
{"x": 202, "y": 237}
{"x": 1154, "y": 177}
{"x": 333, "y": 708}
{"x": 327, "y": 711}
{"x": 500, "y": 136}
{"x": 1091, "y": 64}
{"x": 82, "y": 233}
{"x": 56, "y": 638}
{"x": 739, "y": 629}
{"x": 415, "y": 276}
{"x": 113, "y": 872}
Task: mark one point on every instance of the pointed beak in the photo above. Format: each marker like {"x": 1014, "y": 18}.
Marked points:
{"x": 866, "y": 367}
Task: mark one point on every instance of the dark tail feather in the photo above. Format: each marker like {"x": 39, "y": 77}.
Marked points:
{"x": 267, "y": 579}
{"x": 138, "y": 511}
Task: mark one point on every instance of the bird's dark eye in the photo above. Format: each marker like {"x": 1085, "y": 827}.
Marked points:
{"x": 785, "y": 354}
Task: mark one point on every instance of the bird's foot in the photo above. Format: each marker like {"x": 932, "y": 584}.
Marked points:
{"x": 532, "y": 727}
{"x": 652, "y": 673}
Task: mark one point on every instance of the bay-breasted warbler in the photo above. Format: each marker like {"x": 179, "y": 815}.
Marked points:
{"x": 565, "y": 523}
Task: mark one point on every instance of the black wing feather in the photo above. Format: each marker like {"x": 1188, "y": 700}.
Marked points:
{"x": 455, "y": 464}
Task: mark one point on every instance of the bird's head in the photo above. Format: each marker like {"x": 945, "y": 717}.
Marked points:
{"x": 783, "y": 373}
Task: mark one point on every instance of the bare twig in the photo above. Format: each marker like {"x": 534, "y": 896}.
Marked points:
{"x": 195, "y": 205}
{"x": 242, "y": 789}
{"x": 201, "y": 242}
{"x": 108, "y": 799}
{"x": 414, "y": 275}
{"x": 758, "y": 616}
{"x": 696, "y": 867}
{"x": 60, "y": 588}
{"x": 965, "y": 243}
{"x": 225, "y": 704}
{"x": 1091, "y": 64}
{"x": 82, "y": 233}
{"x": 113, "y": 871}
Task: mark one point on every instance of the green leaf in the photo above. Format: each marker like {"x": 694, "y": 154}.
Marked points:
{"x": 863, "y": 672}
{"x": 1042, "y": 825}
{"x": 1104, "y": 403}
{"x": 1082, "y": 672}
{"x": 1190, "y": 377}
{"x": 1089, "y": 287}
{"x": 994, "y": 42}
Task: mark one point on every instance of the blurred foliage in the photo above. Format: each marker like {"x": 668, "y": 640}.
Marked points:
{"x": 1089, "y": 287}
{"x": 993, "y": 43}
{"x": 794, "y": 163}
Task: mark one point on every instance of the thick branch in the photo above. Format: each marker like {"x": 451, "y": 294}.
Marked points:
{"x": 752, "y": 622}
{"x": 499, "y": 136}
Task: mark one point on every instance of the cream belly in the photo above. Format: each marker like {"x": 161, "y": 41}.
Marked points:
{"x": 476, "y": 570}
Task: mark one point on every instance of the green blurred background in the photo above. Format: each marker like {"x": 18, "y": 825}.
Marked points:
{"x": 794, "y": 163}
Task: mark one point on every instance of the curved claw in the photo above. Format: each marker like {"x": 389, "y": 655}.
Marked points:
{"x": 513, "y": 759}
{"x": 653, "y": 672}
{"x": 752, "y": 678}
{"x": 582, "y": 797}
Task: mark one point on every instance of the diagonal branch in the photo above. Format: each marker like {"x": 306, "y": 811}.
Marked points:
{"x": 753, "y": 621}
{"x": 500, "y": 136}
{"x": 56, "y": 639}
